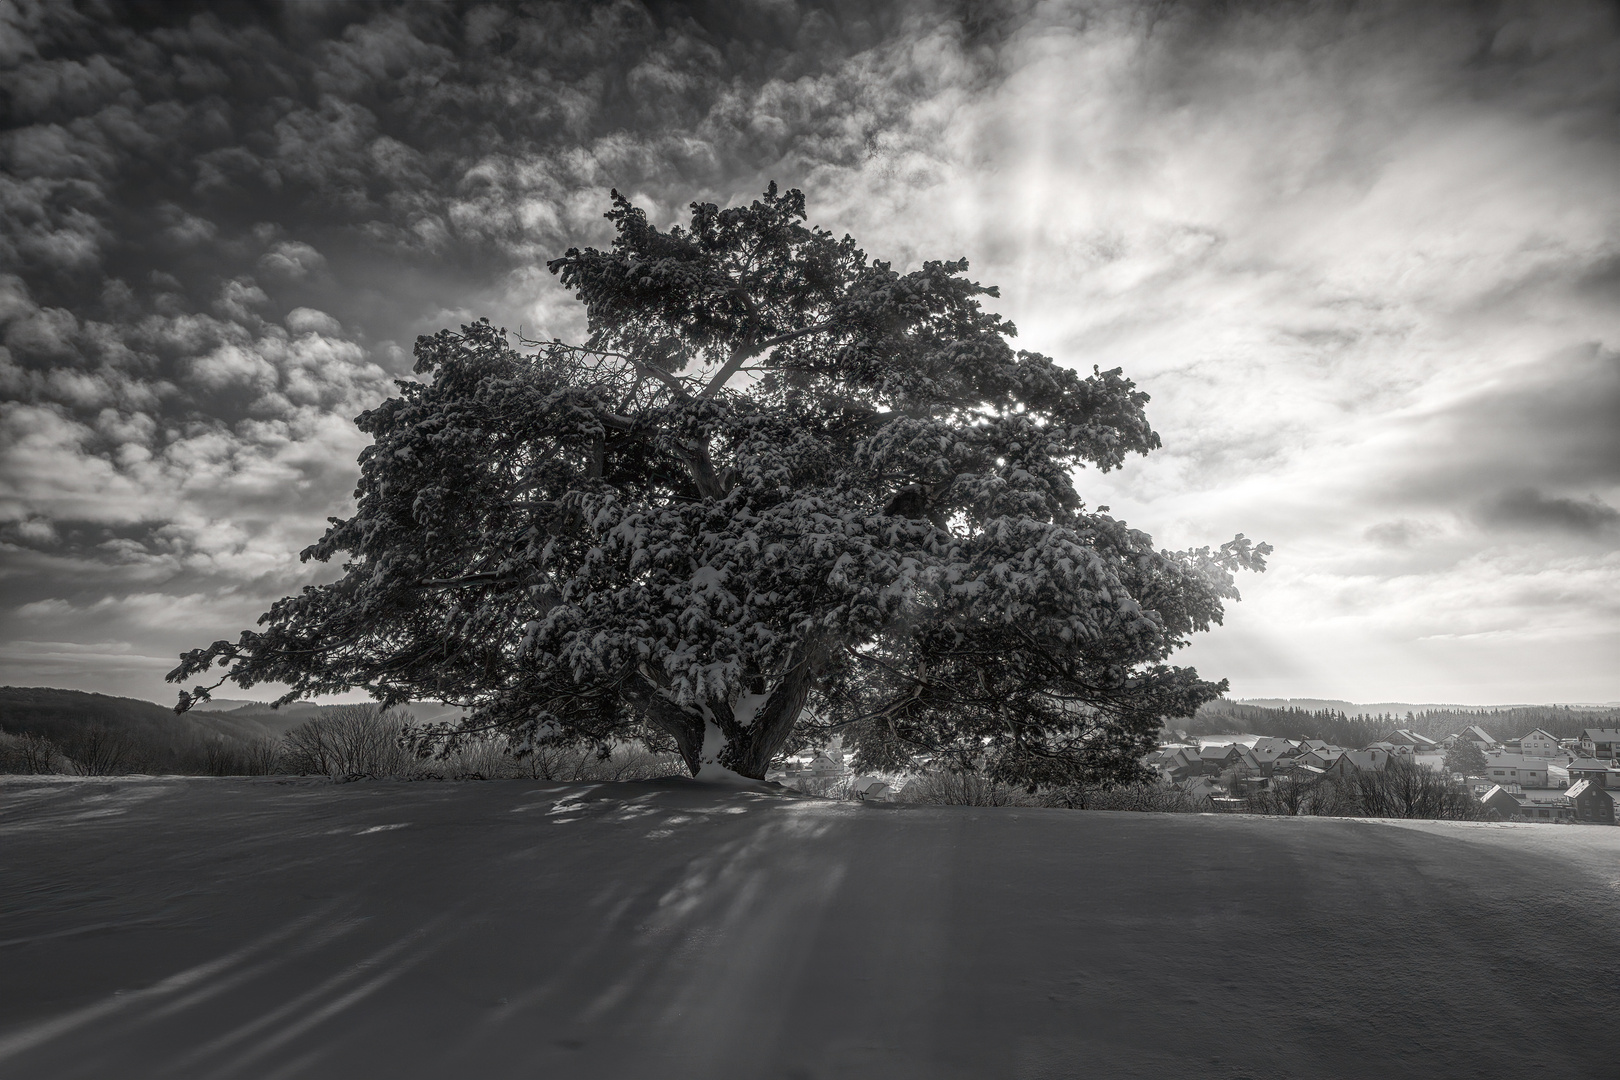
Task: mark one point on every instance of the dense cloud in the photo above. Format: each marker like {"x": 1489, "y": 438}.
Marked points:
{"x": 1529, "y": 508}
{"x": 1364, "y": 256}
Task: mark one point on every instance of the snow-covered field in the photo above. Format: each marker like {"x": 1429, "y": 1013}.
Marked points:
{"x": 200, "y": 928}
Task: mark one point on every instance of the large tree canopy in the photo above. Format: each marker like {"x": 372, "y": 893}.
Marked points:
{"x": 781, "y": 489}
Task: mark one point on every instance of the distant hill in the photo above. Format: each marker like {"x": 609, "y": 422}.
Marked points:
{"x": 233, "y": 704}
{"x": 261, "y": 717}
{"x": 277, "y": 722}
{"x": 124, "y": 735}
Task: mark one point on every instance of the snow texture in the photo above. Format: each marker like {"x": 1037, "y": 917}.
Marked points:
{"x": 710, "y": 771}
{"x": 206, "y": 928}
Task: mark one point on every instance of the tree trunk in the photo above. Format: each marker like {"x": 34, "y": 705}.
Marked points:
{"x": 721, "y": 741}
{"x": 768, "y": 725}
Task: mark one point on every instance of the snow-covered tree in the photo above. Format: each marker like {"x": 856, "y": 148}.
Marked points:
{"x": 781, "y": 489}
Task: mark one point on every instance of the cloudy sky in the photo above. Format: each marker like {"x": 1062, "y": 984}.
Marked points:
{"x": 1364, "y": 256}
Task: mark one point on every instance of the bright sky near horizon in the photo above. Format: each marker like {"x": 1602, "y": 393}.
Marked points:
{"x": 1364, "y": 256}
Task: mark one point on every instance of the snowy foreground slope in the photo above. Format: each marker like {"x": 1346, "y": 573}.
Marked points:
{"x": 225, "y": 928}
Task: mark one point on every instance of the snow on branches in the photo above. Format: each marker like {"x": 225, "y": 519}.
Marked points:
{"x": 781, "y": 489}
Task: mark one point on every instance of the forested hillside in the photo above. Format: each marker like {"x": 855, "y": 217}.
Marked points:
{"x": 107, "y": 735}
{"x": 1559, "y": 720}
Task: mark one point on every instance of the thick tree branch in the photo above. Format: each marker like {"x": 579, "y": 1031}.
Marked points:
{"x": 746, "y": 351}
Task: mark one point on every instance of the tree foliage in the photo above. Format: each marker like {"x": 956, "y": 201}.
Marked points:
{"x": 1464, "y": 756}
{"x": 781, "y": 489}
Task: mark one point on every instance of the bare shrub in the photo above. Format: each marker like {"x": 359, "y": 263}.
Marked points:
{"x": 263, "y": 757}
{"x": 1407, "y": 790}
{"x": 30, "y": 754}
{"x": 352, "y": 742}
{"x": 826, "y": 787}
{"x": 581, "y": 761}
{"x": 476, "y": 758}
{"x": 953, "y": 788}
{"x": 1145, "y": 798}
{"x": 1401, "y": 790}
{"x": 100, "y": 751}
{"x": 232, "y": 757}
{"x": 1291, "y": 795}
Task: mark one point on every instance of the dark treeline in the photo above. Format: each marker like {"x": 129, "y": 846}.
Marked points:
{"x": 1227, "y": 717}
{"x": 1559, "y": 720}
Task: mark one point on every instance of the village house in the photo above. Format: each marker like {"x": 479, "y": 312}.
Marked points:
{"x": 1605, "y": 773}
{"x": 1598, "y": 742}
{"x": 1157, "y": 757}
{"x": 817, "y": 767}
{"x": 1516, "y": 769}
{"x": 1541, "y": 805}
{"x": 1592, "y": 803}
{"x": 1410, "y": 742}
{"x": 1269, "y": 750}
{"x": 1537, "y": 806}
{"x": 1216, "y": 758}
{"x": 1373, "y": 759}
{"x": 1500, "y": 803}
{"x": 1539, "y": 744}
{"x": 827, "y": 763}
{"x": 1242, "y": 766}
{"x": 1319, "y": 758}
{"x": 1474, "y": 734}
{"x": 1181, "y": 762}
{"x": 1244, "y": 786}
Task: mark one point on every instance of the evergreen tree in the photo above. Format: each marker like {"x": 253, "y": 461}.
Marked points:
{"x": 1464, "y": 756}
{"x": 780, "y": 489}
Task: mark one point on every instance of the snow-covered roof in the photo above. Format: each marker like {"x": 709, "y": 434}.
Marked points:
{"x": 1515, "y": 761}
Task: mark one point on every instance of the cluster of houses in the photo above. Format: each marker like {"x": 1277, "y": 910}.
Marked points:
{"x": 1537, "y": 777}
